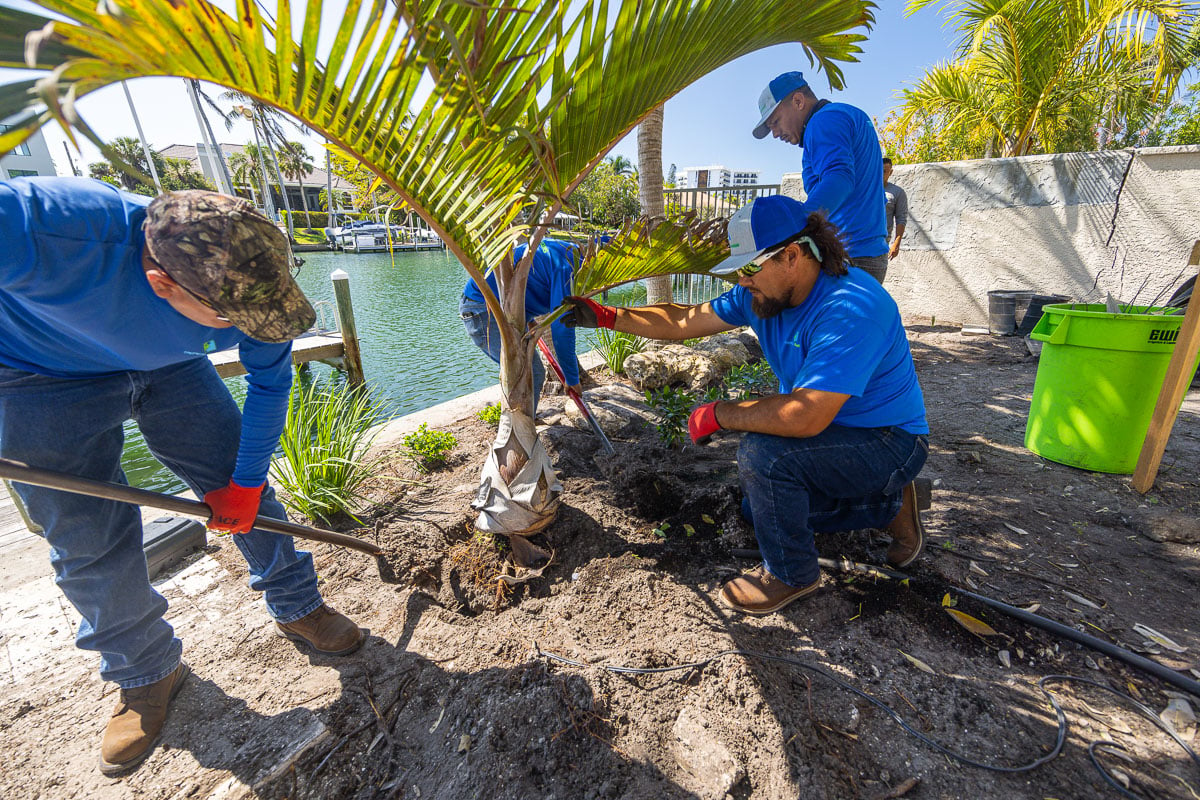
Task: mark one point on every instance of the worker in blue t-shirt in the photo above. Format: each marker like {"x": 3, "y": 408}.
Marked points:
{"x": 839, "y": 446}
{"x": 843, "y": 174}
{"x": 548, "y": 285}
{"x": 109, "y": 306}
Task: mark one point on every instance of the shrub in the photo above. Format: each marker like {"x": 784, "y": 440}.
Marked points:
{"x": 326, "y": 435}
{"x": 671, "y": 409}
{"x": 751, "y": 380}
{"x": 616, "y": 346}
{"x": 428, "y": 449}
{"x": 490, "y": 414}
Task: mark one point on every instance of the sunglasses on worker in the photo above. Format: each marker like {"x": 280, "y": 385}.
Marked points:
{"x": 755, "y": 266}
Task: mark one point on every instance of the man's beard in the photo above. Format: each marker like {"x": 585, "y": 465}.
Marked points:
{"x": 766, "y": 307}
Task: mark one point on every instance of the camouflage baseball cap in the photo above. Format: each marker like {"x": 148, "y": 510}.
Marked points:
{"x": 223, "y": 251}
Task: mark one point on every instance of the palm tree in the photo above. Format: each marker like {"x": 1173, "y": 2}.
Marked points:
{"x": 1032, "y": 74}
{"x": 621, "y": 165}
{"x": 295, "y": 163}
{"x": 482, "y": 117}
{"x": 248, "y": 169}
{"x": 650, "y": 192}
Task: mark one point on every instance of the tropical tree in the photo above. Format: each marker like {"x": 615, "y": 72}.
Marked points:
{"x": 607, "y": 198}
{"x": 126, "y": 167}
{"x": 248, "y": 169}
{"x": 620, "y": 165}
{"x": 482, "y": 117}
{"x": 1032, "y": 74}
{"x": 650, "y": 191}
{"x": 295, "y": 163}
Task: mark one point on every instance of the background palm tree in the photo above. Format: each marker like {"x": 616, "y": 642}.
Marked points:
{"x": 483, "y": 118}
{"x": 248, "y": 168}
{"x": 1040, "y": 75}
{"x": 620, "y": 165}
{"x": 295, "y": 163}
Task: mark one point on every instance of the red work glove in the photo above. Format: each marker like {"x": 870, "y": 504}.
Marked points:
{"x": 702, "y": 424}
{"x": 233, "y": 508}
{"x": 587, "y": 313}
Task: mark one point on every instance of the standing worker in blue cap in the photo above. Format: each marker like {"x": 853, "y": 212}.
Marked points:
{"x": 843, "y": 174}
{"x": 838, "y": 448}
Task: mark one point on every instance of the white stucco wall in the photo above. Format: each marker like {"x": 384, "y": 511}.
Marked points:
{"x": 1043, "y": 224}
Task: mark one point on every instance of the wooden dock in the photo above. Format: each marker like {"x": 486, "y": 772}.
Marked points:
{"x": 325, "y": 347}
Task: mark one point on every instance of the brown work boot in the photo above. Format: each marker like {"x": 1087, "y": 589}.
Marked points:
{"x": 137, "y": 721}
{"x": 325, "y": 631}
{"x": 760, "y": 592}
{"x": 908, "y": 536}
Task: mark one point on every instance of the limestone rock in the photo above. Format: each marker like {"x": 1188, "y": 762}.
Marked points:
{"x": 725, "y": 349}
{"x": 673, "y": 364}
{"x": 619, "y": 409}
{"x": 711, "y": 769}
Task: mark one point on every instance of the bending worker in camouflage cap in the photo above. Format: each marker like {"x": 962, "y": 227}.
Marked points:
{"x": 108, "y": 309}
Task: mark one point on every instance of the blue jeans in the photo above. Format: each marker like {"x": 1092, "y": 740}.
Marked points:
{"x": 841, "y": 479}
{"x": 192, "y": 425}
{"x": 485, "y": 333}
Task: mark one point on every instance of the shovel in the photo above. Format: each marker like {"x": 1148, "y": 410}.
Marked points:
{"x": 574, "y": 395}
{"x": 23, "y": 473}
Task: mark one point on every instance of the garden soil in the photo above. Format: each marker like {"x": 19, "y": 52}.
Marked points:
{"x": 459, "y": 691}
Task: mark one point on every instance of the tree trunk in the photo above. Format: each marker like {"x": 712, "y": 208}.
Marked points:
{"x": 268, "y": 203}
{"x": 519, "y": 491}
{"x": 650, "y": 191}
{"x": 328, "y": 184}
{"x": 287, "y": 205}
{"x": 304, "y": 200}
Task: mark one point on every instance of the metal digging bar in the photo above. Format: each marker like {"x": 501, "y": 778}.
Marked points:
{"x": 23, "y": 473}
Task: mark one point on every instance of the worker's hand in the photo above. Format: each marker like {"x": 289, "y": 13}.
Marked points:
{"x": 702, "y": 424}
{"x": 233, "y": 508}
{"x": 586, "y": 313}
{"x": 894, "y": 250}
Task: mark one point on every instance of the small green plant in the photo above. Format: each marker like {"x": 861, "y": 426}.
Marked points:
{"x": 714, "y": 393}
{"x": 751, "y": 380}
{"x": 692, "y": 342}
{"x": 325, "y": 439}
{"x": 616, "y": 346}
{"x": 671, "y": 409}
{"x": 428, "y": 449}
{"x": 490, "y": 414}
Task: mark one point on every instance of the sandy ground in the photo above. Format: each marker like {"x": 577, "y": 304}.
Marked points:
{"x": 455, "y": 693}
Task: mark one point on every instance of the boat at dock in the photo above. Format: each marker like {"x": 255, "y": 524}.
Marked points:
{"x": 375, "y": 237}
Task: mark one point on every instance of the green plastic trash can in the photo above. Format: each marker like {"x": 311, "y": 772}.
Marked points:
{"x": 1097, "y": 382}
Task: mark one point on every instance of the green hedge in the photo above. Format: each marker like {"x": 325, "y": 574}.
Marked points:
{"x": 317, "y": 219}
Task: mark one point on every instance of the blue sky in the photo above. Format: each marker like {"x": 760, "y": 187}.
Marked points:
{"x": 707, "y": 123}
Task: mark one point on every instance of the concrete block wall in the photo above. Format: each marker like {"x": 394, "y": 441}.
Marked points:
{"x": 1078, "y": 224}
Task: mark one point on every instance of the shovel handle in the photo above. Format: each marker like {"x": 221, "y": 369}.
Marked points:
{"x": 23, "y": 473}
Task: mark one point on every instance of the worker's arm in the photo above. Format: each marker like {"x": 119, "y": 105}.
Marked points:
{"x": 663, "y": 321}
{"x": 799, "y": 414}
{"x": 894, "y": 250}
{"x": 828, "y": 146}
{"x": 901, "y": 222}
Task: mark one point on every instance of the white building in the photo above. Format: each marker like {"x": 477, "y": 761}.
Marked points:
{"x": 716, "y": 176}
{"x": 31, "y": 157}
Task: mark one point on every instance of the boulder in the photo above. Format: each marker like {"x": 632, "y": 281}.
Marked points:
{"x": 618, "y": 409}
{"x": 695, "y": 367}
{"x": 725, "y": 349}
{"x": 711, "y": 769}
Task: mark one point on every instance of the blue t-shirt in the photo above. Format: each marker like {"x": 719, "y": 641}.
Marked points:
{"x": 75, "y": 303}
{"x": 845, "y": 337}
{"x": 843, "y": 174}
{"x": 548, "y": 285}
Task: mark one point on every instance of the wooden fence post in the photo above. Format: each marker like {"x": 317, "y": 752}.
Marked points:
{"x": 353, "y": 356}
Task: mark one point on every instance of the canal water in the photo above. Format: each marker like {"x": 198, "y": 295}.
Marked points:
{"x": 415, "y": 351}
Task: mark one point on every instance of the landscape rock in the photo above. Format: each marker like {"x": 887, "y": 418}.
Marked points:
{"x": 619, "y": 410}
{"x": 725, "y": 349}
{"x": 671, "y": 365}
{"x": 712, "y": 770}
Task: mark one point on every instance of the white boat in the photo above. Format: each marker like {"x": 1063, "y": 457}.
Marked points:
{"x": 377, "y": 238}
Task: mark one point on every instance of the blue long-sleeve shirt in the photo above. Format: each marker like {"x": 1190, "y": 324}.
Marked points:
{"x": 75, "y": 303}
{"x": 549, "y": 284}
{"x": 843, "y": 175}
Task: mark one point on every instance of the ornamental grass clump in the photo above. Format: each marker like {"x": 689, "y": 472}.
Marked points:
{"x": 325, "y": 440}
{"x": 616, "y": 346}
{"x": 428, "y": 448}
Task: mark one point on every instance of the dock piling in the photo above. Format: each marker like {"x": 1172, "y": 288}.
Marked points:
{"x": 345, "y": 311}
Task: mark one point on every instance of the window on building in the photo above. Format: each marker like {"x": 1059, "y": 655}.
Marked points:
{"x": 20, "y": 150}
{"x": 22, "y": 173}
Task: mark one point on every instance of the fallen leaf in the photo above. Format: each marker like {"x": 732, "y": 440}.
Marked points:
{"x": 918, "y": 663}
{"x": 1158, "y": 638}
{"x": 689, "y": 530}
{"x": 1005, "y": 659}
{"x": 706, "y": 518}
{"x": 1015, "y": 529}
{"x": 1032, "y": 607}
{"x": 978, "y": 570}
{"x": 1078, "y": 598}
{"x": 973, "y": 624}
{"x": 464, "y": 744}
{"x": 947, "y": 602}
{"x": 967, "y": 580}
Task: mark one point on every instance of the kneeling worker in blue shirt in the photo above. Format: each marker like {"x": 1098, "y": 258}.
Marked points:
{"x": 839, "y": 446}
{"x": 109, "y": 305}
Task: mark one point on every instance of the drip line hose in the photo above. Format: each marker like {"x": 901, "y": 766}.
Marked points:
{"x": 1121, "y": 654}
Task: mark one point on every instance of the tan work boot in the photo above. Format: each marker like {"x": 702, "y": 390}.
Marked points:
{"x": 759, "y": 592}
{"x": 908, "y": 535}
{"x": 137, "y": 721}
{"x": 325, "y": 631}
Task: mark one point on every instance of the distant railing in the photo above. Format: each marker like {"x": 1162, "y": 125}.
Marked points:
{"x": 693, "y": 289}
{"x": 718, "y": 201}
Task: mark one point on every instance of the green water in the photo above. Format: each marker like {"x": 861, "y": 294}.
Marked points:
{"x": 415, "y": 351}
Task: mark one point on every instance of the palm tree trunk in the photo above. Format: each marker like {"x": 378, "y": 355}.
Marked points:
{"x": 268, "y": 203}
{"x": 328, "y": 184}
{"x": 282, "y": 188}
{"x": 224, "y": 181}
{"x": 650, "y": 191}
